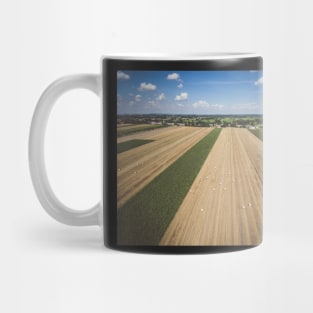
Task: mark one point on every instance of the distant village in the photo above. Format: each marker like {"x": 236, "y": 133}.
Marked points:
{"x": 218, "y": 121}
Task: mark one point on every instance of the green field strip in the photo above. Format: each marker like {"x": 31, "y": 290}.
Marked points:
{"x": 131, "y": 144}
{"x": 124, "y": 131}
{"x": 145, "y": 217}
{"x": 257, "y": 132}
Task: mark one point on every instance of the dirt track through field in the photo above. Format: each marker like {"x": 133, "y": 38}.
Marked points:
{"x": 224, "y": 204}
{"x": 138, "y": 166}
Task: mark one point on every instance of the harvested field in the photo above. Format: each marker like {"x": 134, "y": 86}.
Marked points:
{"x": 144, "y": 218}
{"x": 139, "y": 166}
{"x": 131, "y": 144}
{"x": 224, "y": 204}
{"x": 152, "y": 134}
{"x": 127, "y": 130}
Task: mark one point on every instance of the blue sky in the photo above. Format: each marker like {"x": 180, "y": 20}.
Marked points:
{"x": 189, "y": 92}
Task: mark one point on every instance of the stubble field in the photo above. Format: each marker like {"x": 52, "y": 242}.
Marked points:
{"x": 224, "y": 204}
{"x": 221, "y": 206}
{"x": 137, "y": 167}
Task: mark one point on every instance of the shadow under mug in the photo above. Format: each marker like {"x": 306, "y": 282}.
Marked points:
{"x": 182, "y": 152}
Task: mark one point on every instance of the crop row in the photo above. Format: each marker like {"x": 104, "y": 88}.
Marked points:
{"x": 128, "y": 130}
{"x": 145, "y": 217}
{"x": 131, "y": 144}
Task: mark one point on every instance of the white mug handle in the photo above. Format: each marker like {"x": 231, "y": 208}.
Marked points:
{"x": 38, "y": 172}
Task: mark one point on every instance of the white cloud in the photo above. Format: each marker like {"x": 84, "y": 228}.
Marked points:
{"x": 200, "y": 104}
{"x": 205, "y": 104}
{"x": 131, "y": 103}
{"x": 180, "y": 85}
{"x": 218, "y": 106}
{"x": 138, "y": 98}
{"x": 173, "y": 76}
{"x": 152, "y": 104}
{"x": 144, "y": 86}
{"x": 259, "y": 81}
{"x": 161, "y": 97}
{"x": 122, "y": 76}
{"x": 252, "y": 108}
{"x": 180, "y": 105}
{"x": 182, "y": 96}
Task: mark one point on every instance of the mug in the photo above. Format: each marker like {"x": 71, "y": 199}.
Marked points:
{"x": 181, "y": 152}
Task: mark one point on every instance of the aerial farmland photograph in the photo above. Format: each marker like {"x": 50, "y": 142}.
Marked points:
{"x": 189, "y": 158}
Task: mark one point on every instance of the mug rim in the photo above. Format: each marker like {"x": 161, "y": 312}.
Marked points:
{"x": 198, "y": 56}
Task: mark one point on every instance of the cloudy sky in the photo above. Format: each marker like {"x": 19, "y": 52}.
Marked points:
{"x": 189, "y": 92}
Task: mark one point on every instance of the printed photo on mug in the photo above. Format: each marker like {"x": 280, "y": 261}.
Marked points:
{"x": 189, "y": 157}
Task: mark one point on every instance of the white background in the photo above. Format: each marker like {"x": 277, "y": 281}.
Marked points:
{"x": 49, "y": 267}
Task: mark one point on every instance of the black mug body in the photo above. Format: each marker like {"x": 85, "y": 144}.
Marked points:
{"x": 182, "y": 153}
